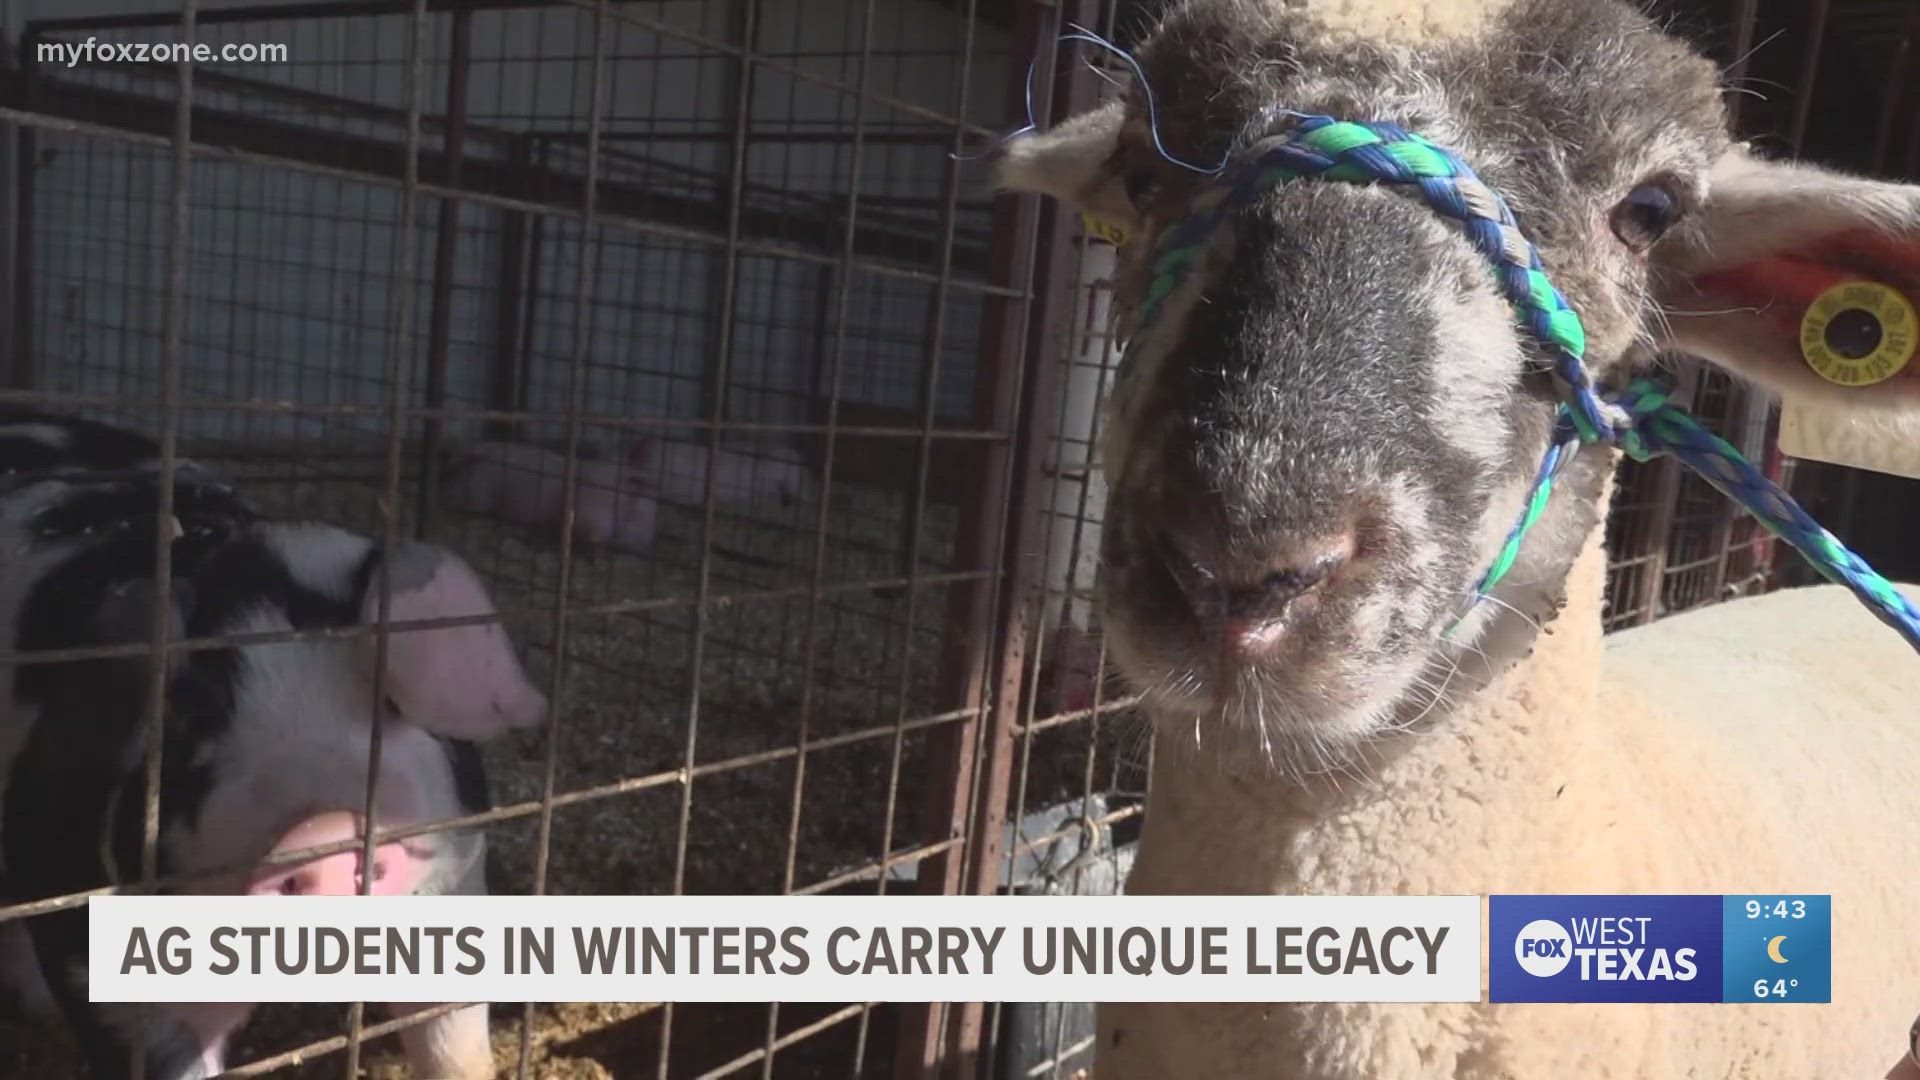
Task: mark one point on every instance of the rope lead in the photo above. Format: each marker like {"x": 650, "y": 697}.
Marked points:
{"x": 1640, "y": 419}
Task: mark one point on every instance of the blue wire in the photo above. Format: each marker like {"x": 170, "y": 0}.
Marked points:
{"x": 1032, "y": 124}
{"x": 1081, "y": 33}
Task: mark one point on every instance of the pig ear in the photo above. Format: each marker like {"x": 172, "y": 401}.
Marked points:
{"x": 1073, "y": 163}
{"x": 1749, "y": 282}
{"x": 460, "y": 681}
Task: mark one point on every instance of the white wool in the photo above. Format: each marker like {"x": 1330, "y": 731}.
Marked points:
{"x": 1767, "y": 744}
{"x": 1400, "y": 21}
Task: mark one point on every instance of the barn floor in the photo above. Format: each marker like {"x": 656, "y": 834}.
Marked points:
{"x": 624, "y": 717}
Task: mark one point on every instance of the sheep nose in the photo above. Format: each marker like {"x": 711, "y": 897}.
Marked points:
{"x": 1247, "y": 604}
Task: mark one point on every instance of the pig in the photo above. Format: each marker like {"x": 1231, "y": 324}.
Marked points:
{"x": 43, "y": 443}
{"x": 525, "y": 484}
{"x": 677, "y": 472}
{"x": 267, "y": 744}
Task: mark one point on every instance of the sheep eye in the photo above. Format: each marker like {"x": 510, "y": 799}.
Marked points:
{"x": 1141, "y": 187}
{"x": 1645, "y": 215}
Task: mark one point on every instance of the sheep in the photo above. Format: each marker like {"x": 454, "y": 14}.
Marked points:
{"x": 1321, "y": 443}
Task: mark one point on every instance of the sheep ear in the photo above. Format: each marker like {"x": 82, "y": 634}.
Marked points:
{"x": 1803, "y": 280}
{"x": 1073, "y": 163}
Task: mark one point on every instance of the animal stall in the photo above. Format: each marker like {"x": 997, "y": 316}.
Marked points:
{"x": 721, "y": 282}
{"x": 726, "y": 271}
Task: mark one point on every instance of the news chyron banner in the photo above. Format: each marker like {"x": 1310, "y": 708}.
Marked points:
{"x": 1688, "y": 948}
{"x": 1620, "y": 948}
{"x": 784, "y": 948}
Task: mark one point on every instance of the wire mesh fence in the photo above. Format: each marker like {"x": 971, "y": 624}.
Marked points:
{"x": 771, "y": 433}
{"x": 705, "y": 279}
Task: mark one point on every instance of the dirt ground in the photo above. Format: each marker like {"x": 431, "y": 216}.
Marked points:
{"x": 570, "y": 1042}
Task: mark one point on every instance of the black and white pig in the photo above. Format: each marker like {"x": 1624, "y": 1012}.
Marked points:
{"x": 266, "y": 745}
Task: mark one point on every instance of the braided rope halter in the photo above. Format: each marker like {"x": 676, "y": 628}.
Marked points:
{"x": 1638, "y": 419}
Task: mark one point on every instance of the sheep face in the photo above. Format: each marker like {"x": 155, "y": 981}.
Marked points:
{"x": 1322, "y": 441}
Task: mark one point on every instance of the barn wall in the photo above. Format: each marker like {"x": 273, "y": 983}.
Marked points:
{"x": 290, "y": 285}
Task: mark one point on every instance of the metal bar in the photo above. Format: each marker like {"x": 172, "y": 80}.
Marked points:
{"x": 1763, "y": 416}
{"x": 398, "y": 376}
{"x": 611, "y": 420}
{"x": 576, "y": 405}
{"x": 776, "y": 137}
{"x": 653, "y": 25}
{"x": 715, "y": 406}
{"x": 1816, "y": 40}
{"x": 724, "y": 283}
{"x": 794, "y": 71}
{"x": 536, "y": 267}
{"x": 263, "y": 141}
{"x": 23, "y": 374}
{"x": 504, "y": 390}
{"x": 1747, "y": 411}
{"x": 969, "y": 648}
{"x": 922, "y": 1024}
{"x": 173, "y": 349}
{"x": 339, "y": 106}
{"x": 703, "y": 582}
{"x": 1664, "y": 479}
{"x": 725, "y": 278}
{"x": 611, "y": 607}
{"x": 764, "y": 1054}
{"x": 1896, "y": 89}
{"x": 321, "y": 8}
{"x": 314, "y": 9}
{"x": 334, "y": 1044}
{"x": 445, "y": 256}
{"x": 1076, "y": 347}
{"x": 533, "y": 807}
{"x": 1745, "y": 12}
{"x": 1051, "y": 266}
{"x": 210, "y": 79}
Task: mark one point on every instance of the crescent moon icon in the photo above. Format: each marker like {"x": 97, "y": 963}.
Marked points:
{"x": 1773, "y": 950}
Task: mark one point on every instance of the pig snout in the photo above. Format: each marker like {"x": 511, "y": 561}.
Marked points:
{"x": 396, "y": 871}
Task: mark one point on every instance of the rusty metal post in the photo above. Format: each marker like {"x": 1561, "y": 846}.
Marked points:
{"x": 445, "y": 266}
{"x": 1757, "y": 542}
{"x": 1055, "y": 263}
{"x": 1747, "y": 412}
{"x": 1896, "y": 88}
{"x": 943, "y": 1039}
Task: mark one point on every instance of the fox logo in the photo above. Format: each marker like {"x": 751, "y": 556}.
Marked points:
{"x": 1543, "y": 948}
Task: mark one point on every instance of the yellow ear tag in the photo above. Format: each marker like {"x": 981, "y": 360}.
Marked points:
{"x": 1858, "y": 333}
{"x": 1102, "y": 229}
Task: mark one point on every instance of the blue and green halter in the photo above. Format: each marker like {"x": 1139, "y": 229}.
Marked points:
{"x": 1639, "y": 419}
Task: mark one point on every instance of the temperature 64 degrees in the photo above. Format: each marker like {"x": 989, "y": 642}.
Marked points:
{"x": 1776, "y": 948}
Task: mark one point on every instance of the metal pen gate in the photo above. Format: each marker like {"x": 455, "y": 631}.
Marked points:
{"x": 586, "y": 224}
{"x": 580, "y": 223}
